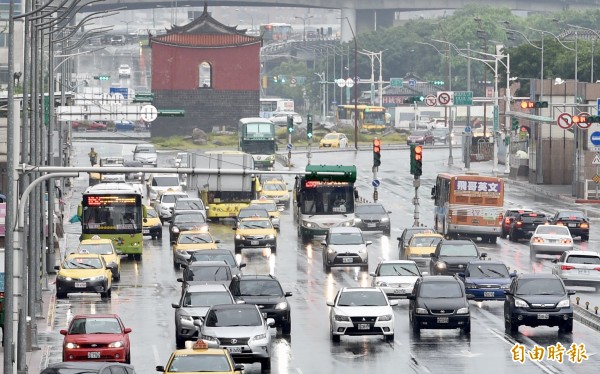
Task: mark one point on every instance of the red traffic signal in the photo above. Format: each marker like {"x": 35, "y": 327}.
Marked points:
{"x": 534, "y": 104}
{"x": 376, "y": 145}
{"x": 419, "y": 153}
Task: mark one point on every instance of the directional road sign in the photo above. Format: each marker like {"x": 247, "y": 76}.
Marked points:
{"x": 595, "y": 138}
{"x": 398, "y": 82}
{"x": 467, "y": 129}
{"x": 463, "y": 97}
{"x": 598, "y": 106}
{"x": 376, "y": 183}
{"x": 122, "y": 90}
{"x": 431, "y": 100}
{"x": 148, "y": 113}
{"x": 412, "y": 82}
{"x": 341, "y": 82}
{"x": 564, "y": 121}
{"x": 289, "y": 146}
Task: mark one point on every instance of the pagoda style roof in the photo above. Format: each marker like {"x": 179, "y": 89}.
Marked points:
{"x": 205, "y": 32}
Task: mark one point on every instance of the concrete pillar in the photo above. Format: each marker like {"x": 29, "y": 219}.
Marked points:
{"x": 373, "y": 20}
{"x": 348, "y": 19}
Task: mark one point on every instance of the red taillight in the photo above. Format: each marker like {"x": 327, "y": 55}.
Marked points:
{"x": 584, "y": 225}
{"x": 507, "y": 221}
{"x": 597, "y": 269}
{"x": 567, "y": 267}
{"x": 519, "y": 223}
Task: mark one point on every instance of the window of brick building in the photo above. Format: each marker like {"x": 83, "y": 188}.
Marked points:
{"x": 205, "y": 75}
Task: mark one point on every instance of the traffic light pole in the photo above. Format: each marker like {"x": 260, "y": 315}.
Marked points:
{"x": 416, "y": 184}
{"x": 375, "y": 192}
{"x": 289, "y": 160}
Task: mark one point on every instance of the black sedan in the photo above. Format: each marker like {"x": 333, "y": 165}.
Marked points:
{"x": 524, "y": 224}
{"x": 439, "y": 303}
{"x": 372, "y": 217}
{"x": 452, "y": 257}
{"x": 577, "y": 222}
{"x": 186, "y": 221}
{"x": 538, "y": 300}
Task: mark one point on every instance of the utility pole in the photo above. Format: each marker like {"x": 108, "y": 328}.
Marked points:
{"x": 467, "y": 137}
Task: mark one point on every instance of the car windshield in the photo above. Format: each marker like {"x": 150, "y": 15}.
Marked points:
{"x": 552, "y": 230}
{"x": 274, "y": 187}
{"x": 459, "y": 250}
{"x": 256, "y": 224}
{"x": 204, "y": 363}
{"x": 165, "y": 181}
{"x": 418, "y": 133}
{"x": 260, "y": 288}
{"x": 189, "y": 218}
{"x": 233, "y": 317}
{"x": 410, "y": 232}
{"x": 208, "y": 256}
{"x": 331, "y": 136}
{"x": 145, "y": 150}
{"x": 350, "y": 238}
{"x": 540, "y": 286}
{"x": 425, "y": 241}
{"x": 95, "y": 326}
{"x": 439, "y": 132}
{"x": 195, "y": 299}
{"x": 82, "y": 263}
{"x": 487, "y": 271}
{"x": 271, "y": 177}
{"x": 208, "y": 273}
{"x": 403, "y": 269}
{"x": 189, "y": 204}
{"x": 270, "y": 207}
{"x": 569, "y": 214}
{"x": 152, "y": 213}
{"x": 200, "y": 238}
{"x": 362, "y": 298}
{"x": 440, "y": 290}
{"x": 245, "y": 213}
{"x": 97, "y": 249}
{"x": 369, "y": 209}
{"x": 583, "y": 259}
{"x": 171, "y": 199}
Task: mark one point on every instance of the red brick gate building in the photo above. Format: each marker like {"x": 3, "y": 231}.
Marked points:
{"x": 210, "y": 70}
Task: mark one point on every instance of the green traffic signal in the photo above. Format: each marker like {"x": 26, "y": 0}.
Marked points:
{"x": 102, "y": 77}
{"x": 413, "y": 99}
{"x": 290, "y": 124}
{"x": 309, "y": 126}
{"x": 515, "y": 124}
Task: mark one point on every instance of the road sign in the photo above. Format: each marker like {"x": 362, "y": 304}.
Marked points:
{"x": 596, "y": 178}
{"x": 431, "y": 100}
{"x": 293, "y": 82}
{"x": 467, "y": 129}
{"x": 444, "y": 98}
{"x": 122, "y": 90}
{"x": 341, "y": 82}
{"x": 496, "y": 114}
{"x": 598, "y": 106}
{"x": 376, "y": 183}
{"x": 398, "y": 82}
{"x": 463, "y": 97}
{"x": 583, "y": 123}
{"x": 289, "y": 146}
{"x": 595, "y": 138}
{"x": 412, "y": 82}
{"x": 596, "y": 160}
{"x": 148, "y": 113}
{"x": 349, "y": 82}
{"x": 564, "y": 121}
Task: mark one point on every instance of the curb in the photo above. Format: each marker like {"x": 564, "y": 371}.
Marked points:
{"x": 586, "y": 317}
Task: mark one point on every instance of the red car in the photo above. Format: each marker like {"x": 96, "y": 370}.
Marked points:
{"x": 96, "y": 337}
{"x": 83, "y": 126}
{"x": 420, "y": 137}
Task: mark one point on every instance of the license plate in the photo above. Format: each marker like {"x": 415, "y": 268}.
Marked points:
{"x": 442, "y": 320}
{"x": 572, "y": 225}
{"x": 93, "y": 354}
{"x": 347, "y": 260}
{"x": 543, "y": 316}
{"x": 234, "y": 349}
{"x": 146, "y": 231}
{"x": 80, "y": 285}
{"x": 371, "y": 225}
{"x": 399, "y": 291}
{"x": 364, "y": 326}
{"x": 254, "y": 242}
{"x": 488, "y": 294}
{"x": 584, "y": 271}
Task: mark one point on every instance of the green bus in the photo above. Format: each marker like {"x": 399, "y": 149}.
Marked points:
{"x": 257, "y": 137}
{"x": 114, "y": 211}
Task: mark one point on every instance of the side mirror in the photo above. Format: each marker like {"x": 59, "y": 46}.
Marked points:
{"x": 234, "y": 228}
{"x": 483, "y": 255}
{"x": 555, "y": 261}
{"x": 393, "y": 302}
{"x": 461, "y": 274}
{"x": 175, "y": 306}
{"x": 373, "y": 274}
{"x": 238, "y": 367}
{"x": 389, "y": 212}
{"x": 288, "y": 294}
{"x": 571, "y": 292}
{"x": 119, "y": 252}
{"x": 180, "y": 280}
{"x": 185, "y": 266}
{"x": 368, "y": 242}
{"x": 330, "y": 303}
{"x": 56, "y": 267}
{"x": 217, "y": 241}
{"x": 324, "y": 243}
{"x": 424, "y": 273}
{"x": 432, "y": 255}
{"x": 242, "y": 265}
{"x": 160, "y": 368}
{"x": 507, "y": 292}
{"x": 411, "y": 297}
{"x": 145, "y": 220}
{"x": 270, "y": 322}
{"x": 63, "y": 332}
{"x": 127, "y": 330}
{"x": 513, "y": 274}
{"x": 198, "y": 322}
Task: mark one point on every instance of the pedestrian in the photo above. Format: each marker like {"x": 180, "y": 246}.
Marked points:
{"x": 93, "y": 156}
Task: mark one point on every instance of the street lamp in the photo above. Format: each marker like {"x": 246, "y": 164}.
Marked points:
{"x": 251, "y": 18}
{"x": 593, "y": 42}
{"x": 304, "y": 23}
{"x": 355, "y": 85}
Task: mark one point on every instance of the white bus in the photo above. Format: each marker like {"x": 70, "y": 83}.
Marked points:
{"x": 269, "y": 106}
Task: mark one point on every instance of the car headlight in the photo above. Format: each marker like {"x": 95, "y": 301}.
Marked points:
{"x": 421, "y": 311}
{"x": 385, "y": 219}
{"x": 175, "y": 229}
{"x": 357, "y": 219}
{"x": 308, "y": 224}
{"x": 440, "y": 265}
{"x": 239, "y": 237}
{"x": 520, "y": 303}
{"x": 381, "y": 284}
{"x": 387, "y": 317}
{"x": 281, "y": 306}
{"x": 364, "y": 250}
{"x": 260, "y": 337}
{"x": 462, "y": 311}
{"x": 270, "y": 236}
{"x": 340, "y": 318}
{"x": 71, "y": 346}
{"x": 505, "y": 286}
{"x": 470, "y": 285}
{"x": 99, "y": 277}
{"x": 348, "y": 223}
{"x": 115, "y": 345}
{"x": 62, "y": 277}
{"x": 185, "y": 317}
{"x": 330, "y": 250}
{"x": 564, "y": 303}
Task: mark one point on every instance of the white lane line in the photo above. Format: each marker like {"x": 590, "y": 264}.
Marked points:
{"x": 503, "y": 337}
{"x": 155, "y": 352}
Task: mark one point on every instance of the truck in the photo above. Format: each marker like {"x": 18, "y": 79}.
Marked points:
{"x": 224, "y": 195}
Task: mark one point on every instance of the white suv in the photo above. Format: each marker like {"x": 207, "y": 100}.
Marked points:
{"x": 162, "y": 182}
{"x": 124, "y": 71}
{"x": 165, "y": 202}
{"x": 146, "y": 154}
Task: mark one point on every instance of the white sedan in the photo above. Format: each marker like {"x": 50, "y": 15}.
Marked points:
{"x": 361, "y": 311}
{"x": 280, "y": 118}
{"x": 550, "y": 239}
{"x": 396, "y": 277}
{"x": 578, "y": 268}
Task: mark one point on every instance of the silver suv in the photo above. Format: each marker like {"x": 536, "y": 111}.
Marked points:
{"x": 193, "y": 305}
{"x": 345, "y": 246}
{"x": 242, "y": 330}
{"x": 146, "y": 154}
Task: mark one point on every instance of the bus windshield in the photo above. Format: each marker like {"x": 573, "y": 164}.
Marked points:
{"x": 121, "y": 218}
{"x": 258, "y": 130}
{"x": 259, "y": 147}
{"x": 321, "y": 198}
{"x": 377, "y": 118}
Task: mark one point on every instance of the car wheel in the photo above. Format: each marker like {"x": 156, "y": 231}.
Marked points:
{"x": 175, "y": 264}
{"x": 467, "y": 328}
{"x": 265, "y": 364}
{"x": 511, "y": 236}
{"x": 492, "y": 239}
{"x": 128, "y": 358}
{"x": 274, "y": 249}
{"x": 61, "y": 295}
{"x": 160, "y": 234}
{"x": 286, "y": 328}
{"x": 585, "y": 238}
{"x": 117, "y": 277}
{"x": 327, "y": 268}
{"x": 566, "y": 327}
{"x": 389, "y": 338}
{"x": 416, "y": 329}
{"x": 510, "y": 326}
{"x": 179, "y": 342}
{"x": 502, "y": 232}
{"x": 387, "y": 231}
{"x": 137, "y": 257}
{"x": 334, "y": 338}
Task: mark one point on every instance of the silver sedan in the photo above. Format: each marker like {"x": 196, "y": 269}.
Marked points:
{"x": 550, "y": 239}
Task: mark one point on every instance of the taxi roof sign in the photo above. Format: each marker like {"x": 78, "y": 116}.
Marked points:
{"x": 200, "y": 344}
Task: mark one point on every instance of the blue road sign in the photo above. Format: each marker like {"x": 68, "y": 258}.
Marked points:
{"x": 122, "y": 90}
{"x": 376, "y": 183}
{"x": 412, "y": 82}
{"x": 468, "y": 129}
{"x": 598, "y": 106}
{"x": 595, "y": 138}
{"x": 289, "y": 146}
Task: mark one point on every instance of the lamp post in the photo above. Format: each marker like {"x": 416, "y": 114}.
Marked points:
{"x": 355, "y": 85}
{"x": 251, "y": 18}
{"x": 593, "y": 42}
{"x": 304, "y": 24}
{"x": 372, "y": 56}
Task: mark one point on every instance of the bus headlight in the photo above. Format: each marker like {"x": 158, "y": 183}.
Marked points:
{"x": 308, "y": 224}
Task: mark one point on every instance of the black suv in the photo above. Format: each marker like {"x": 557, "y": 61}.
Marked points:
{"x": 577, "y": 222}
{"x": 538, "y": 300}
{"x": 524, "y": 224}
{"x": 264, "y": 291}
{"x": 452, "y": 257}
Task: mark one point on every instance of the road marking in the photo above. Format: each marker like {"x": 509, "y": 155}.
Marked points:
{"x": 511, "y": 341}
{"x": 156, "y": 356}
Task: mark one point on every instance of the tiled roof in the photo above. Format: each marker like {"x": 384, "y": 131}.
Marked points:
{"x": 206, "y": 40}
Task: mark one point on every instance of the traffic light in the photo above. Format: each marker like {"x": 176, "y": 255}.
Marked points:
{"x": 309, "y": 124}
{"x": 276, "y": 79}
{"x": 102, "y": 77}
{"x": 416, "y": 159}
{"x": 376, "y": 152}
{"x": 290, "y": 124}
{"x": 580, "y": 119}
{"x": 592, "y": 119}
{"x": 534, "y": 104}
{"x": 436, "y": 83}
{"x": 515, "y": 124}
{"x": 413, "y": 99}
{"x": 171, "y": 113}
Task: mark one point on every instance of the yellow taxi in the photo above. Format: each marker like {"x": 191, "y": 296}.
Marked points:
{"x": 191, "y": 241}
{"x": 277, "y": 191}
{"x": 270, "y": 206}
{"x": 421, "y": 246}
{"x": 152, "y": 225}
{"x": 83, "y": 272}
{"x": 198, "y": 358}
{"x": 103, "y": 247}
{"x": 334, "y": 140}
{"x": 255, "y": 232}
